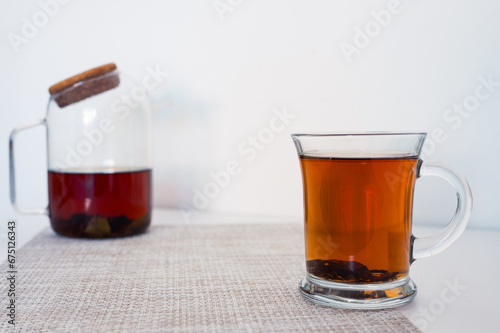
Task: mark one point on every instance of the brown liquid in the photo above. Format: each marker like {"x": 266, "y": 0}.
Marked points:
{"x": 358, "y": 217}
{"x": 99, "y": 205}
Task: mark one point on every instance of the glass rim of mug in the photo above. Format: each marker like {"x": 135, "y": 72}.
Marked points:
{"x": 368, "y": 133}
{"x": 360, "y": 144}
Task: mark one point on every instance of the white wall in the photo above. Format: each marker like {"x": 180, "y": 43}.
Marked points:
{"x": 227, "y": 76}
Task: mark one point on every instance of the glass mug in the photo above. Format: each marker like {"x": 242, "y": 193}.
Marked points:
{"x": 358, "y": 197}
{"x": 98, "y": 154}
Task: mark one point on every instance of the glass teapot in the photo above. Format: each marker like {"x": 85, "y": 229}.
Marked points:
{"x": 99, "y": 156}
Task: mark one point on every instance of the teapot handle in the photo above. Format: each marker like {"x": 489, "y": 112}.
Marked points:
{"x": 13, "y": 134}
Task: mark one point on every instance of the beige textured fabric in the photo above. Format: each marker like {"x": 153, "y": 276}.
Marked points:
{"x": 178, "y": 279}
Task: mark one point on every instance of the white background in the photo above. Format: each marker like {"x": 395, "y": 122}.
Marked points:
{"x": 226, "y": 76}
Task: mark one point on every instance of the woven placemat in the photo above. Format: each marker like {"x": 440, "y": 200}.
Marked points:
{"x": 240, "y": 278}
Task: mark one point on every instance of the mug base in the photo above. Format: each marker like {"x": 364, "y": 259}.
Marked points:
{"x": 358, "y": 296}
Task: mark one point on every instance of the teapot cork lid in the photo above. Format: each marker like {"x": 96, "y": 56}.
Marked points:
{"x": 85, "y": 89}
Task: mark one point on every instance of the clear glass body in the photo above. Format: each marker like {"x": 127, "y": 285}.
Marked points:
{"x": 107, "y": 132}
{"x": 99, "y": 160}
{"x": 358, "y": 201}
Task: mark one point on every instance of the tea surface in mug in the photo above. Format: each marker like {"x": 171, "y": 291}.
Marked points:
{"x": 96, "y": 205}
{"x": 358, "y": 217}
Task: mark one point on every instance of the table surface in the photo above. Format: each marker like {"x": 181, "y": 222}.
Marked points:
{"x": 456, "y": 290}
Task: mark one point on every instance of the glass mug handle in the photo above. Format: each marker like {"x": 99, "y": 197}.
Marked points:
{"x": 12, "y": 170}
{"x": 428, "y": 246}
